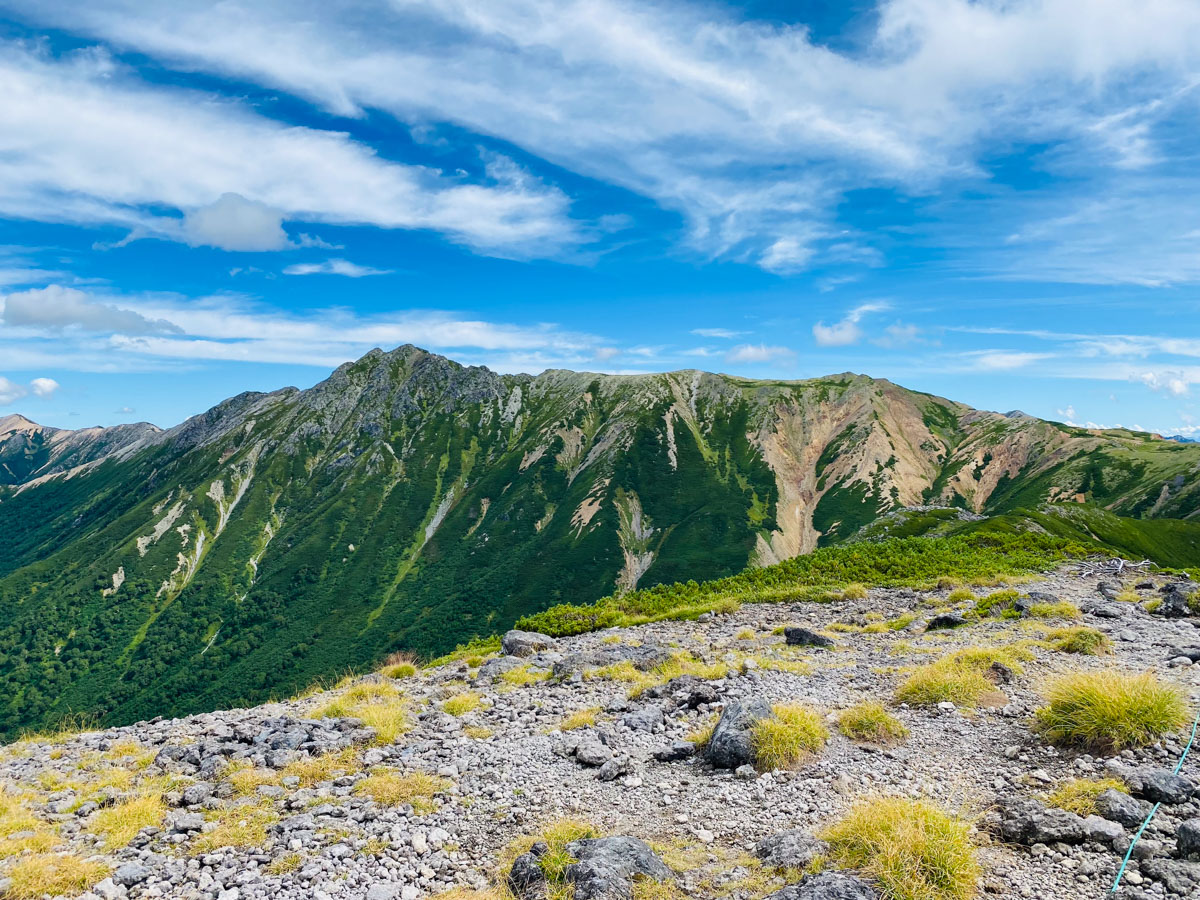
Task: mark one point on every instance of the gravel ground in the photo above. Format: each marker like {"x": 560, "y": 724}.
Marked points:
{"x": 338, "y": 843}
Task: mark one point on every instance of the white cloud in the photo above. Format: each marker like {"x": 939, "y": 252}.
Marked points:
{"x": 1003, "y": 360}
{"x": 43, "y": 387}
{"x": 725, "y": 333}
{"x": 55, "y": 307}
{"x": 899, "y": 334}
{"x": 847, "y": 331}
{"x": 751, "y": 132}
{"x": 757, "y": 353}
{"x": 603, "y": 354}
{"x": 334, "y": 267}
{"x": 82, "y": 141}
{"x": 1174, "y": 383}
{"x": 12, "y": 391}
{"x": 232, "y": 222}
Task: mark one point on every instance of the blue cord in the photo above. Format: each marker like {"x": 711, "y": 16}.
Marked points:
{"x": 1129, "y": 852}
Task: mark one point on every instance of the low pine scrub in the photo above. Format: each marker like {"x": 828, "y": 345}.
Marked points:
{"x": 912, "y": 849}
{"x": 920, "y": 563}
{"x": 871, "y": 722}
{"x": 785, "y": 740}
{"x": 1109, "y": 711}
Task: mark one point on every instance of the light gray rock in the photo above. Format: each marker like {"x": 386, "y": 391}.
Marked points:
{"x": 793, "y": 849}
{"x": 827, "y": 886}
{"x": 526, "y": 643}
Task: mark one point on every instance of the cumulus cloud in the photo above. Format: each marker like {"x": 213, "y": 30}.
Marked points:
{"x": 898, "y": 334}
{"x": 232, "y": 222}
{"x": 1175, "y": 383}
{"x": 757, "y": 353}
{"x": 56, "y": 307}
{"x": 12, "y": 391}
{"x": 334, "y": 267}
{"x": 847, "y": 331}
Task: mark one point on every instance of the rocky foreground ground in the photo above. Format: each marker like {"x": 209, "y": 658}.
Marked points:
{"x": 409, "y": 787}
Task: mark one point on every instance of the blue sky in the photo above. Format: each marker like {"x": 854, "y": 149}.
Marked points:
{"x": 992, "y": 201}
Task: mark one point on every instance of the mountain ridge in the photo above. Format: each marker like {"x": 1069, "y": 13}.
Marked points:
{"x": 409, "y": 502}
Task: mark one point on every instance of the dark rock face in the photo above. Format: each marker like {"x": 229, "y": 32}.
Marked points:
{"x": 648, "y": 718}
{"x": 789, "y": 849}
{"x": 1120, "y": 807}
{"x": 1187, "y": 839}
{"x": 526, "y": 643}
{"x": 1176, "y": 875}
{"x": 1024, "y": 821}
{"x": 731, "y": 745}
{"x": 827, "y": 886}
{"x": 526, "y": 878}
{"x": 1162, "y": 786}
{"x": 1176, "y": 601}
{"x": 798, "y": 636}
{"x": 676, "y": 751}
{"x": 686, "y": 690}
{"x": 608, "y": 865}
{"x": 945, "y": 620}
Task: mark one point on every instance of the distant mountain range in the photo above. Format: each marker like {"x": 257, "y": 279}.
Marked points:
{"x": 1182, "y": 439}
{"x": 408, "y": 502}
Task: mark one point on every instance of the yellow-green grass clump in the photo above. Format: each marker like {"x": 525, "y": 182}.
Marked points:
{"x": 854, "y": 591}
{"x": 379, "y": 705}
{"x": 1062, "y": 609}
{"x": 1080, "y": 639}
{"x": 313, "y": 770}
{"x": 679, "y": 664}
{"x": 52, "y": 874}
{"x": 390, "y": 788}
{"x": 1079, "y": 795}
{"x": 478, "y": 732}
{"x": 242, "y": 825}
{"x": 961, "y": 595}
{"x": 786, "y": 739}
{"x": 912, "y": 849}
{"x": 702, "y": 732}
{"x": 870, "y": 721}
{"x": 581, "y": 718}
{"x": 246, "y": 779}
{"x": 20, "y": 830}
{"x": 283, "y": 865}
{"x": 960, "y": 678}
{"x": 1109, "y": 710}
{"x": 119, "y": 824}
{"x": 461, "y": 704}
{"x": 556, "y": 835}
{"x": 522, "y": 675}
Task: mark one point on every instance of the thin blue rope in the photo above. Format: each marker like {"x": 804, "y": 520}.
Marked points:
{"x": 1133, "y": 843}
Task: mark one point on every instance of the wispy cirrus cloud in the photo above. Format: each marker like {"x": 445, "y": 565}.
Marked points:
{"x": 752, "y": 133}
{"x": 846, "y": 331}
{"x": 84, "y": 141}
{"x": 334, "y": 267}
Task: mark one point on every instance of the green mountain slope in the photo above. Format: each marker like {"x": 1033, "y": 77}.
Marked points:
{"x": 410, "y": 502}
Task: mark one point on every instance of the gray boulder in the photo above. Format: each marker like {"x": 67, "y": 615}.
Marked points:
{"x": 591, "y": 750}
{"x": 130, "y": 873}
{"x": 525, "y": 643}
{"x": 1025, "y": 821}
{"x": 1162, "y": 786}
{"x": 607, "y": 867}
{"x": 1176, "y": 601}
{"x": 1120, "y": 807}
{"x": 675, "y": 751}
{"x": 642, "y": 658}
{"x": 1178, "y": 876}
{"x": 1187, "y": 839}
{"x": 494, "y": 668}
{"x": 730, "y": 745}
{"x": 647, "y": 718}
{"x": 827, "y": 886}
{"x": 798, "y": 636}
{"x": 197, "y": 793}
{"x": 789, "y": 849}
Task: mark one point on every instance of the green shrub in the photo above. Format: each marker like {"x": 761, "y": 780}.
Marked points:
{"x": 870, "y": 721}
{"x": 914, "y": 850}
{"x": 1000, "y": 604}
{"x": 1080, "y": 639}
{"x": 783, "y": 741}
{"x": 1109, "y": 711}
